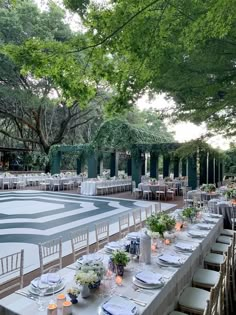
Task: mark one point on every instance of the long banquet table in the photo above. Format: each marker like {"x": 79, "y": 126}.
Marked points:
{"x": 161, "y": 302}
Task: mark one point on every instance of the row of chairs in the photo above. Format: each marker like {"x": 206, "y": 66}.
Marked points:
{"x": 111, "y": 187}
{"x": 213, "y": 287}
{"x": 50, "y": 252}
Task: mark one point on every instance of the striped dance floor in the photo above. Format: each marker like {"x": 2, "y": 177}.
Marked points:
{"x": 29, "y": 217}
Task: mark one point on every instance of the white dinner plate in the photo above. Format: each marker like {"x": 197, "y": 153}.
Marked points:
{"x": 101, "y": 311}
{"x": 204, "y": 226}
{"x": 147, "y": 286}
{"x": 32, "y": 289}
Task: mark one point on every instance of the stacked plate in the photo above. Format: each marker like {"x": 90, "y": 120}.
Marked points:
{"x": 90, "y": 257}
{"x": 117, "y": 305}
{"x": 204, "y": 226}
{"x": 197, "y": 234}
{"x": 167, "y": 260}
{"x": 185, "y": 247}
{"x": 148, "y": 280}
{"x": 112, "y": 246}
{"x": 33, "y": 288}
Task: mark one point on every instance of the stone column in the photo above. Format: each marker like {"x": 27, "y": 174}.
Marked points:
{"x": 183, "y": 167}
{"x": 78, "y": 166}
{"x": 203, "y": 168}
{"x": 136, "y": 167}
{"x": 113, "y": 164}
{"x": 129, "y": 168}
{"x": 56, "y": 163}
{"x": 176, "y": 166}
{"x": 92, "y": 166}
{"x": 192, "y": 171}
{"x": 166, "y": 166}
{"x": 154, "y": 159}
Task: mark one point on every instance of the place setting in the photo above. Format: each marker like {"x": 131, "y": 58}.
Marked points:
{"x": 204, "y": 226}
{"x": 118, "y": 305}
{"x": 148, "y": 280}
{"x": 170, "y": 260}
{"x": 185, "y": 247}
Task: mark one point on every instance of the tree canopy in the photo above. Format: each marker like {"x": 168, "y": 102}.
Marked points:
{"x": 183, "y": 48}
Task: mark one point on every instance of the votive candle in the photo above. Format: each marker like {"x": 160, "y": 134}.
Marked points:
{"x": 119, "y": 280}
{"x": 60, "y": 300}
{"x": 52, "y": 309}
{"x": 167, "y": 241}
{"x": 67, "y": 308}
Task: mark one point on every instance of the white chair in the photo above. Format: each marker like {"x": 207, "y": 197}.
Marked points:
{"x": 137, "y": 218}
{"x": 102, "y": 234}
{"x": 50, "y": 254}
{"x": 148, "y": 211}
{"x": 56, "y": 184}
{"x": 161, "y": 192}
{"x": 6, "y": 183}
{"x": 79, "y": 242}
{"x": 124, "y": 225}
{"x": 45, "y": 184}
{"x": 12, "y": 264}
{"x": 146, "y": 192}
{"x": 136, "y": 191}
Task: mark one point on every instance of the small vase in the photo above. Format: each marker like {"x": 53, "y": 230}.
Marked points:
{"x": 120, "y": 270}
{"x": 85, "y": 291}
{"x": 73, "y": 298}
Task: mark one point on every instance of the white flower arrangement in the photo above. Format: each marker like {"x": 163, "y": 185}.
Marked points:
{"x": 93, "y": 265}
{"x": 83, "y": 277}
{"x": 73, "y": 291}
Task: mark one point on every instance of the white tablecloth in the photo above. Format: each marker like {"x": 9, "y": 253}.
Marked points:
{"x": 161, "y": 302}
{"x": 89, "y": 188}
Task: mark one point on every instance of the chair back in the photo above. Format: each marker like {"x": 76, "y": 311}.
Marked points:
{"x": 124, "y": 225}
{"x": 137, "y": 218}
{"x": 50, "y": 254}
{"x": 79, "y": 242}
{"x": 12, "y": 264}
{"x": 215, "y": 302}
{"x": 157, "y": 207}
{"x": 102, "y": 234}
{"x": 148, "y": 211}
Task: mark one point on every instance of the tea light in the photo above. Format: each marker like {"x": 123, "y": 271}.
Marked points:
{"x": 67, "y": 308}
{"x": 60, "y": 300}
{"x": 153, "y": 247}
{"x": 119, "y": 280}
{"x": 178, "y": 226}
{"x": 52, "y": 309}
{"x": 167, "y": 241}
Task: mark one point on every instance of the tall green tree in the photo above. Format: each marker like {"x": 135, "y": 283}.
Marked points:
{"x": 35, "y": 110}
{"x": 185, "y": 48}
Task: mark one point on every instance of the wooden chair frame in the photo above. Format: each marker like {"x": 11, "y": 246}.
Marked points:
{"x": 102, "y": 234}
{"x": 50, "y": 249}
{"x": 79, "y": 242}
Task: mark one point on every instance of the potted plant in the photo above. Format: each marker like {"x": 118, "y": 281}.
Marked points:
{"x": 85, "y": 279}
{"x": 119, "y": 260}
{"x": 73, "y": 294}
{"x": 159, "y": 223}
{"x": 189, "y": 213}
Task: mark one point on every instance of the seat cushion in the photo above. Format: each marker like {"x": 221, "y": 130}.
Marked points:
{"x": 219, "y": 247}
{"x": 194, "y": 298}
{"x": 206, "y": 277}
{"x": 215, "y": 259}
{"x": 227, "y": 232}
{"x": 224, "y": 239}
{"x": 177, "y": 313}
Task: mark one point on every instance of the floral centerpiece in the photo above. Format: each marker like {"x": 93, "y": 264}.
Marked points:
{"x": 73, "y": 294}
{"x": 189, "y": 213}
{"x": 153, "y": 181}
{"x": 85, "y": 279}
{"x": 159, "y": 223}
{"x": 208, "y": 187}
{"x": 94, "y": 265}
{"x": 230, "y": 193}
{"x": 118, "y": 261}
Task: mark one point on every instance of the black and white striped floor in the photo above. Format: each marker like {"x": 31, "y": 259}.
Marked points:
{"x": 29, "y": 217}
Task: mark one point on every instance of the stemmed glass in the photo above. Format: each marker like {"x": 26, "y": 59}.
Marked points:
{"x": 53, "y": 279}
{"x": 42, "y": 287}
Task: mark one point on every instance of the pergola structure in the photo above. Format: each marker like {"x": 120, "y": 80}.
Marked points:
{"x": 200, "y": 167}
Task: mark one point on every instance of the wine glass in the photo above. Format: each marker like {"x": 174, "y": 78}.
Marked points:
{"x": 42, "y": 287}
{"x": 53, "y": 279}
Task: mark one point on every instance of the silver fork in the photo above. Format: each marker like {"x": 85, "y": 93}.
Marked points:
{"x": 142, "y": 291}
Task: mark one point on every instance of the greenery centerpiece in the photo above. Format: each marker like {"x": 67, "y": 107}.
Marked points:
{"x": 159, "y": 223}
{"x": 119, "y": 260}
{"x": 85, "y": 279}
{"x": 189, "y": 213}
{"x": 230, "y": 193}
{"x": 94, "y": 265}
{"x": 208, "y": 187}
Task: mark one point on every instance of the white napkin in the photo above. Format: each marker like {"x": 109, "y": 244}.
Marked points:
{"x": 89, "y": 257}
{"x": 133, "y": 235}
{"x": 149, "y": 277}
{"x": 184, "y": 246}
{"x": 171, "y": 259}
{"x": 195, "y": 233}
{"x": 205, "y": 226}
{"x": 117, "y": 306}
{"x": 114, "y": 245}
{"x": 46, "y": 279}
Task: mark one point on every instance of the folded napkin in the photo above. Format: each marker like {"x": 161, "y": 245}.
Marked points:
{"x": 117, "y": 306}
{"x": 47, "y": 279}
{"x": 195, "y": 233}
{"x": 89, "y": 257}
{"x": 133, "y": 235}
{"x": 205, "y": 226}
{"x": 184, "y": 246}
{"x": 149, "y": 277}
{"x": 114, "y": 245}
{"x": 171, "y": 259}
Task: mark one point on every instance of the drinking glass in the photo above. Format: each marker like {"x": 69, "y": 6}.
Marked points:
{"x": 53, "y": 279}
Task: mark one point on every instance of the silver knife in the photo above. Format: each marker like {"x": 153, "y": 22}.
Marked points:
{"x": 25, "y": 294}
{"x": 141, "y": 303}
